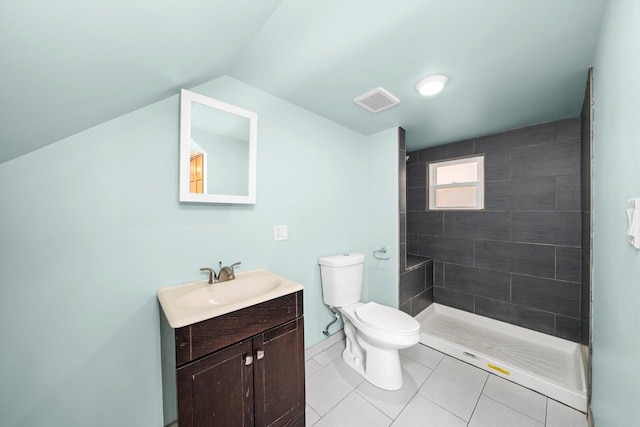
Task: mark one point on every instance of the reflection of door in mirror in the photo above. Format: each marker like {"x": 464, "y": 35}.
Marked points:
{"x": 197, "y": 177}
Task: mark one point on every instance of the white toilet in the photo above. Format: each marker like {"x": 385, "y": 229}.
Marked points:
{"x": 374, "y": 332}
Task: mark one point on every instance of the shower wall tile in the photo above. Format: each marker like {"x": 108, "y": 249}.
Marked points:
{"x": 497, "y": 143}
{"x": 585, "y": 313}
{"x": 568, "y": 130}
{"x": 428, "y": 267}
{"x": 420, "y": 302}
{"x": 412, "y": 243}
{"x": 402, "y": 167}
{"x": 476, "y": 281}
{"x": 477, "y": 225}
{"x": 585, "y": 177}
{"x": 521, "y": 316}
{"x": 416, "y": 199}
{"x": 586, "y": 231}
{"x": 429, "y": 223}
{"x": 426, "y": 200}
{"x": 402, "y": 176}
{"x": 414, "y": 261}
{"x": 568, "y": 192}
{"x": 438, "y": 273}
{"x": 523, "y": 194}
{"x": 568, "y": 263}
{"x": 413, "y": 283}
{"x": 585, "y": 269}
{"x": 402, "y": 201}
{"x": 520, "y": 260}
{"x": 416, "y": 285}
{"x": 532, "y": 135}
{"x": 568, "y": 328}
{"x": 447, "y": 250}
{"x": 545, "y": 160}
{"x": 497, "y": 166}
{"x": 538, "y": 260}
{"x": 453, "y": 299}
{"x": 423, "y": 299}
{"x": 406, "y": 307}
{"x": 446, "y": 151}
{"x": 546, "y": 294}
{"x": 585, "y": 294}
{"x": 416, "y": 274}
{"x": 554, "y": 228}
{"x": 416, "y": 175}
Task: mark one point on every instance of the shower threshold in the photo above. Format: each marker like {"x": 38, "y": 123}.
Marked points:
{"x": 549, "y": 365}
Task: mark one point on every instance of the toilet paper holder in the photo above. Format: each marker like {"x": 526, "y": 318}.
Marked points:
{"x": 381, "y": 253}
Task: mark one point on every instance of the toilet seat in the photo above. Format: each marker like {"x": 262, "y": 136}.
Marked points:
{"x": 388, "y": 319}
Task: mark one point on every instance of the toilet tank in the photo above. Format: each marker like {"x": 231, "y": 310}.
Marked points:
{"x": 341, "y": 279}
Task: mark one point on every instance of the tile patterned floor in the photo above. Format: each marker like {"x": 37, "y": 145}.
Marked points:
{"x": 438, "y": 391}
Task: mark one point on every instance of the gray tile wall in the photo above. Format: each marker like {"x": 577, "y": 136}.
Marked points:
{"x": 519, "y": 260}
{"x": 416, "y": 273}
{"x": 402, "y": 202}
{"x": 416, "y": 285}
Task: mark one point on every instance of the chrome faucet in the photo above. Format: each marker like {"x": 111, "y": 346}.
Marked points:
{"x": 212, "y": 274}
{"x": 225, "y": 274}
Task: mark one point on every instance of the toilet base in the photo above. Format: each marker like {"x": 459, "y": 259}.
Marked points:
{"x": 381, "y": 367}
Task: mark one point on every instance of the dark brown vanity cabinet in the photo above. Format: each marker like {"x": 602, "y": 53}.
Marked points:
{"x": 244, "y": 368}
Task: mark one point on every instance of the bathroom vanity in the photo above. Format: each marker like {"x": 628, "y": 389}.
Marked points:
{"x": 241, "y": 368}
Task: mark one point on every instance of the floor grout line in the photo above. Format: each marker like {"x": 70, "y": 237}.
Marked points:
{"x": 486, "y": 380}
{"x": 412, "y": 397}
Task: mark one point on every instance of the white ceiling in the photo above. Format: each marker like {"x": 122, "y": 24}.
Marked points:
{"x": 68, "y": 65}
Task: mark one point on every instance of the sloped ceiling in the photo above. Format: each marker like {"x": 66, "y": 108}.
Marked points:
{"x": 69, "y": 65}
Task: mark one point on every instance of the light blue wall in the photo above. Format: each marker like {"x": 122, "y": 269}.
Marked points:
{"x": 616, "y": 265}
{"x": 92, "y": 228}
{"x": 383, "y": 275}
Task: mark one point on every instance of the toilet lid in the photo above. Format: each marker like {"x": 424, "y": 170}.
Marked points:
{"x": 387, "y": 318}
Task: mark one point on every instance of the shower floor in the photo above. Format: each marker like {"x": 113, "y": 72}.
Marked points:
{"x": 549, "y": 365}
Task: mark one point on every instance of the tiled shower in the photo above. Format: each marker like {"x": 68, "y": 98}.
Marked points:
{"x": 416, "y": 273}
{"x": 518, "y": 260}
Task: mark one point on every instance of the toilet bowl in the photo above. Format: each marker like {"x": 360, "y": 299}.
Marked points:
{"x": 374, "y": 332}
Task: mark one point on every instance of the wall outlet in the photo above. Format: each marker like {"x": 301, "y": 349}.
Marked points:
{"x": 280, "y": 232}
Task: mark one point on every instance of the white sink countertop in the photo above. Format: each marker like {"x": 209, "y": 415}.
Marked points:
{"x": 194, "y": 302}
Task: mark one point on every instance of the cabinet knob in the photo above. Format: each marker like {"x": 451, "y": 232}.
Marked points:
{"x": 248, "y": 360}
{"x": 259, "y": 354}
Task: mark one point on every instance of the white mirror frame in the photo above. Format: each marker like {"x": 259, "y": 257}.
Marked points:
{"x": 186, "y": 98}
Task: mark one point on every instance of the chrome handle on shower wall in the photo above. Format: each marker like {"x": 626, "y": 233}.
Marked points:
{"x": 380, "y": 253}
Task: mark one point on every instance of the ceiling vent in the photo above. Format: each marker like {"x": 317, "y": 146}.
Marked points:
{"x": 376, "y": 100}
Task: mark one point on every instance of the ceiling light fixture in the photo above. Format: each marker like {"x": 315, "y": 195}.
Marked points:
{"x": 431, "y": 85}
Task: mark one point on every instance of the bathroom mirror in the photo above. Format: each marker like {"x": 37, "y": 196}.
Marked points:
{"x": 217, "y": 151}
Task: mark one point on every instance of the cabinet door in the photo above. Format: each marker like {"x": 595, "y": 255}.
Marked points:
{"x": 217, "y": 390}
{"x": 279, "y": 376}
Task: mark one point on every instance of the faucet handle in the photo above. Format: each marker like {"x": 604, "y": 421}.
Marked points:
{"x": 233, "y": 275}
{"x": 212, "y": 273}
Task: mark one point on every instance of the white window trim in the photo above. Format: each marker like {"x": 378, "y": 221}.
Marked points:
{"x": 479, "y": 184}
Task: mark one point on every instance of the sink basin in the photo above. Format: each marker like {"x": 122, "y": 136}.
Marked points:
{"x": 197, "y": 301}
{"x": 229, "y": 292}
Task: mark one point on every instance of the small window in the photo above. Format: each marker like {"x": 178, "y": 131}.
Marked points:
{"x": 457, "y": 184}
